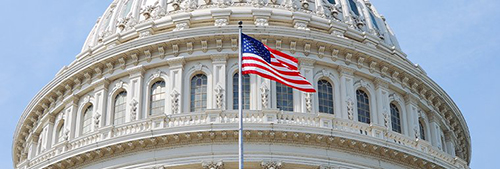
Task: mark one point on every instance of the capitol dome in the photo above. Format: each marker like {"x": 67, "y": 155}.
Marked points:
{"x": 154, "y": 87}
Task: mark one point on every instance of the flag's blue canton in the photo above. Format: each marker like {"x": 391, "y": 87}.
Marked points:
{"x": 251, "y": 45}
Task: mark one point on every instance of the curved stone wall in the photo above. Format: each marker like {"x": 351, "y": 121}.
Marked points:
{"x": 175, "y": 47}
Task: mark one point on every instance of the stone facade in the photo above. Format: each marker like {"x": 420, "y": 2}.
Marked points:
{"x": 138, "y": 43}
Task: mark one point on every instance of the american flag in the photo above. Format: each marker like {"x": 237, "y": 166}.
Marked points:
{"x": 259, "y": 59}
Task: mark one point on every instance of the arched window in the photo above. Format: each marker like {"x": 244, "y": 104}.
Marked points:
{"x": 60, "y": 133}
{"x": 157, "y": 98}
{"x": 325, "y": 97}
{"x": 363, "y": 106}
{"x": 246, "y": 91}
{"x": 120, "y": 105}
{"x": 199, "y": 93}
{"x": 354, "y": 7}
{"x": 422, "y": 130}
{"x": 284, "y": 97}
{"x": 87, "y": 120}
{"x": 332, "y": 2}
{"x": 395, "y": 118}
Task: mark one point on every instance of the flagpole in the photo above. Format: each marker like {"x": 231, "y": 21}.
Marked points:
{"x": 240, "y": 96}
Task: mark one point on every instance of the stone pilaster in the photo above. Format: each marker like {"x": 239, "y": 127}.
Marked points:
{"x": 100, "y": 96}
{"x": 174, "y": 105}
{"x": 412, "y": 116}
{"x": 219, "y": 81}
{"x": 382, "y": 104}
{"x": 435, "y": 131}
{"x": 134, "y": 94}
{"x": 71, "y": 110}
{"x": 48, "y": 129}
{"x": 306, "y": 99}
{"x": 347, "y": 93}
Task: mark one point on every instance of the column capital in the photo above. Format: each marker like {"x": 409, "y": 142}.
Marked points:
{"x": 381, "y": 83}
{"x": 410, "y": 98}
{"x": 306, "y": 62}
{"x": 136, "y": 71}
{"x": 219, "y": 58}
{"x": 345, "y": 71}
{"x": 176, "y": 62}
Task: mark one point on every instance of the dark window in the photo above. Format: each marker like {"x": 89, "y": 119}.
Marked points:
{"x": 246, "y": 91}
{"x": 325, "y": 96}
{"x": 374, "y": 21}
{"x": 395, "y": 118}
{"x": 354, "y": 7}
{"x": 422, "y": 130}
{"x": 199, "y": 92}
{"x": 284, "y": 97}
{"x": 332, "y": 1}
{"x": 363, "y": 106}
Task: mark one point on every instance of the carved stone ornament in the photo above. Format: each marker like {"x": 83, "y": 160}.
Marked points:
{"x": 301, "y": 26}
{"x": 386, "y": 119}
{"x": 308, "y": 102}
{"x": 265, "y": 95}
{"x": 66, "y": 134}
{"x": 416, "y": 131}
{"x": 261, "y": 22}
{"x": 219, "y": 96}
{"x": 147, "y": 11}
{"x": 221, "y": 22}
{"x": 271, "y": 165}
{"x": 97, "y": 120}
{"x": 181, "y": 26}
{"x": 213, "y": 165}
{"x": 175, "y": 101}
{"x": 133, "y": 109}
{"x": 350, "y": 109}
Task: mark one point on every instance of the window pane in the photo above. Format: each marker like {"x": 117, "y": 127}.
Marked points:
{"x": 157, "y": 100}
{"x": 120, "y": 104}
{"x": 284, "y": 97}
{"x": 363, "y": 107}
{"x": 395, "y": 119}
{"x": 325, "y": 96}
{"x": 87, "y": 120}
{"x": 198, "y": 92}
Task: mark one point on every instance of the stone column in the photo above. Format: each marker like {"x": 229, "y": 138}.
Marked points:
{"x": 347, "y": 12}
{"x": 32, "y": 146}
{"x": 71, "y": 115}
{"x": 174, "y": 100}
{"x": 134, "y": 94}
{"x": 435, "y": 130}
{"x": 48, "y": 129}
{"x": 450, "y": 144}
{"x": 219, "y": 81}
{"x": 347, "y": 93}
{"x": 100, "y": 96}
{"x": 412, "y": 116}
{"x": 382, "y": 97}
{"x": 306, "y": 99}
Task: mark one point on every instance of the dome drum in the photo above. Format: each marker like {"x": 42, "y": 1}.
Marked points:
{"x": 163, "y": 83}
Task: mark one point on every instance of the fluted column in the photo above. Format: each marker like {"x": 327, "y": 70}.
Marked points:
{"x": 219, "y": 81}
{"x": 347, "y": 93}
{"x": 134, "y": 95}
{"x": 174, "y": 105}
{"x": 32, "y": 146}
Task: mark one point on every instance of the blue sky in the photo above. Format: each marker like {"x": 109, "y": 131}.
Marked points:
{"x": 455, "y": 41}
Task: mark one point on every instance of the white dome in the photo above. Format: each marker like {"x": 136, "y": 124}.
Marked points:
{"x": 127, "y": 15}
{"x": 154, "y": 88}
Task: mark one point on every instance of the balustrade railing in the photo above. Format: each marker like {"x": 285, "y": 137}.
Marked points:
{"x": 160, "y": 122}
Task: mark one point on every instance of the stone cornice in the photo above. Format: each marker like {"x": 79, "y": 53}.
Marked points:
{"x": 106, "y": 150}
